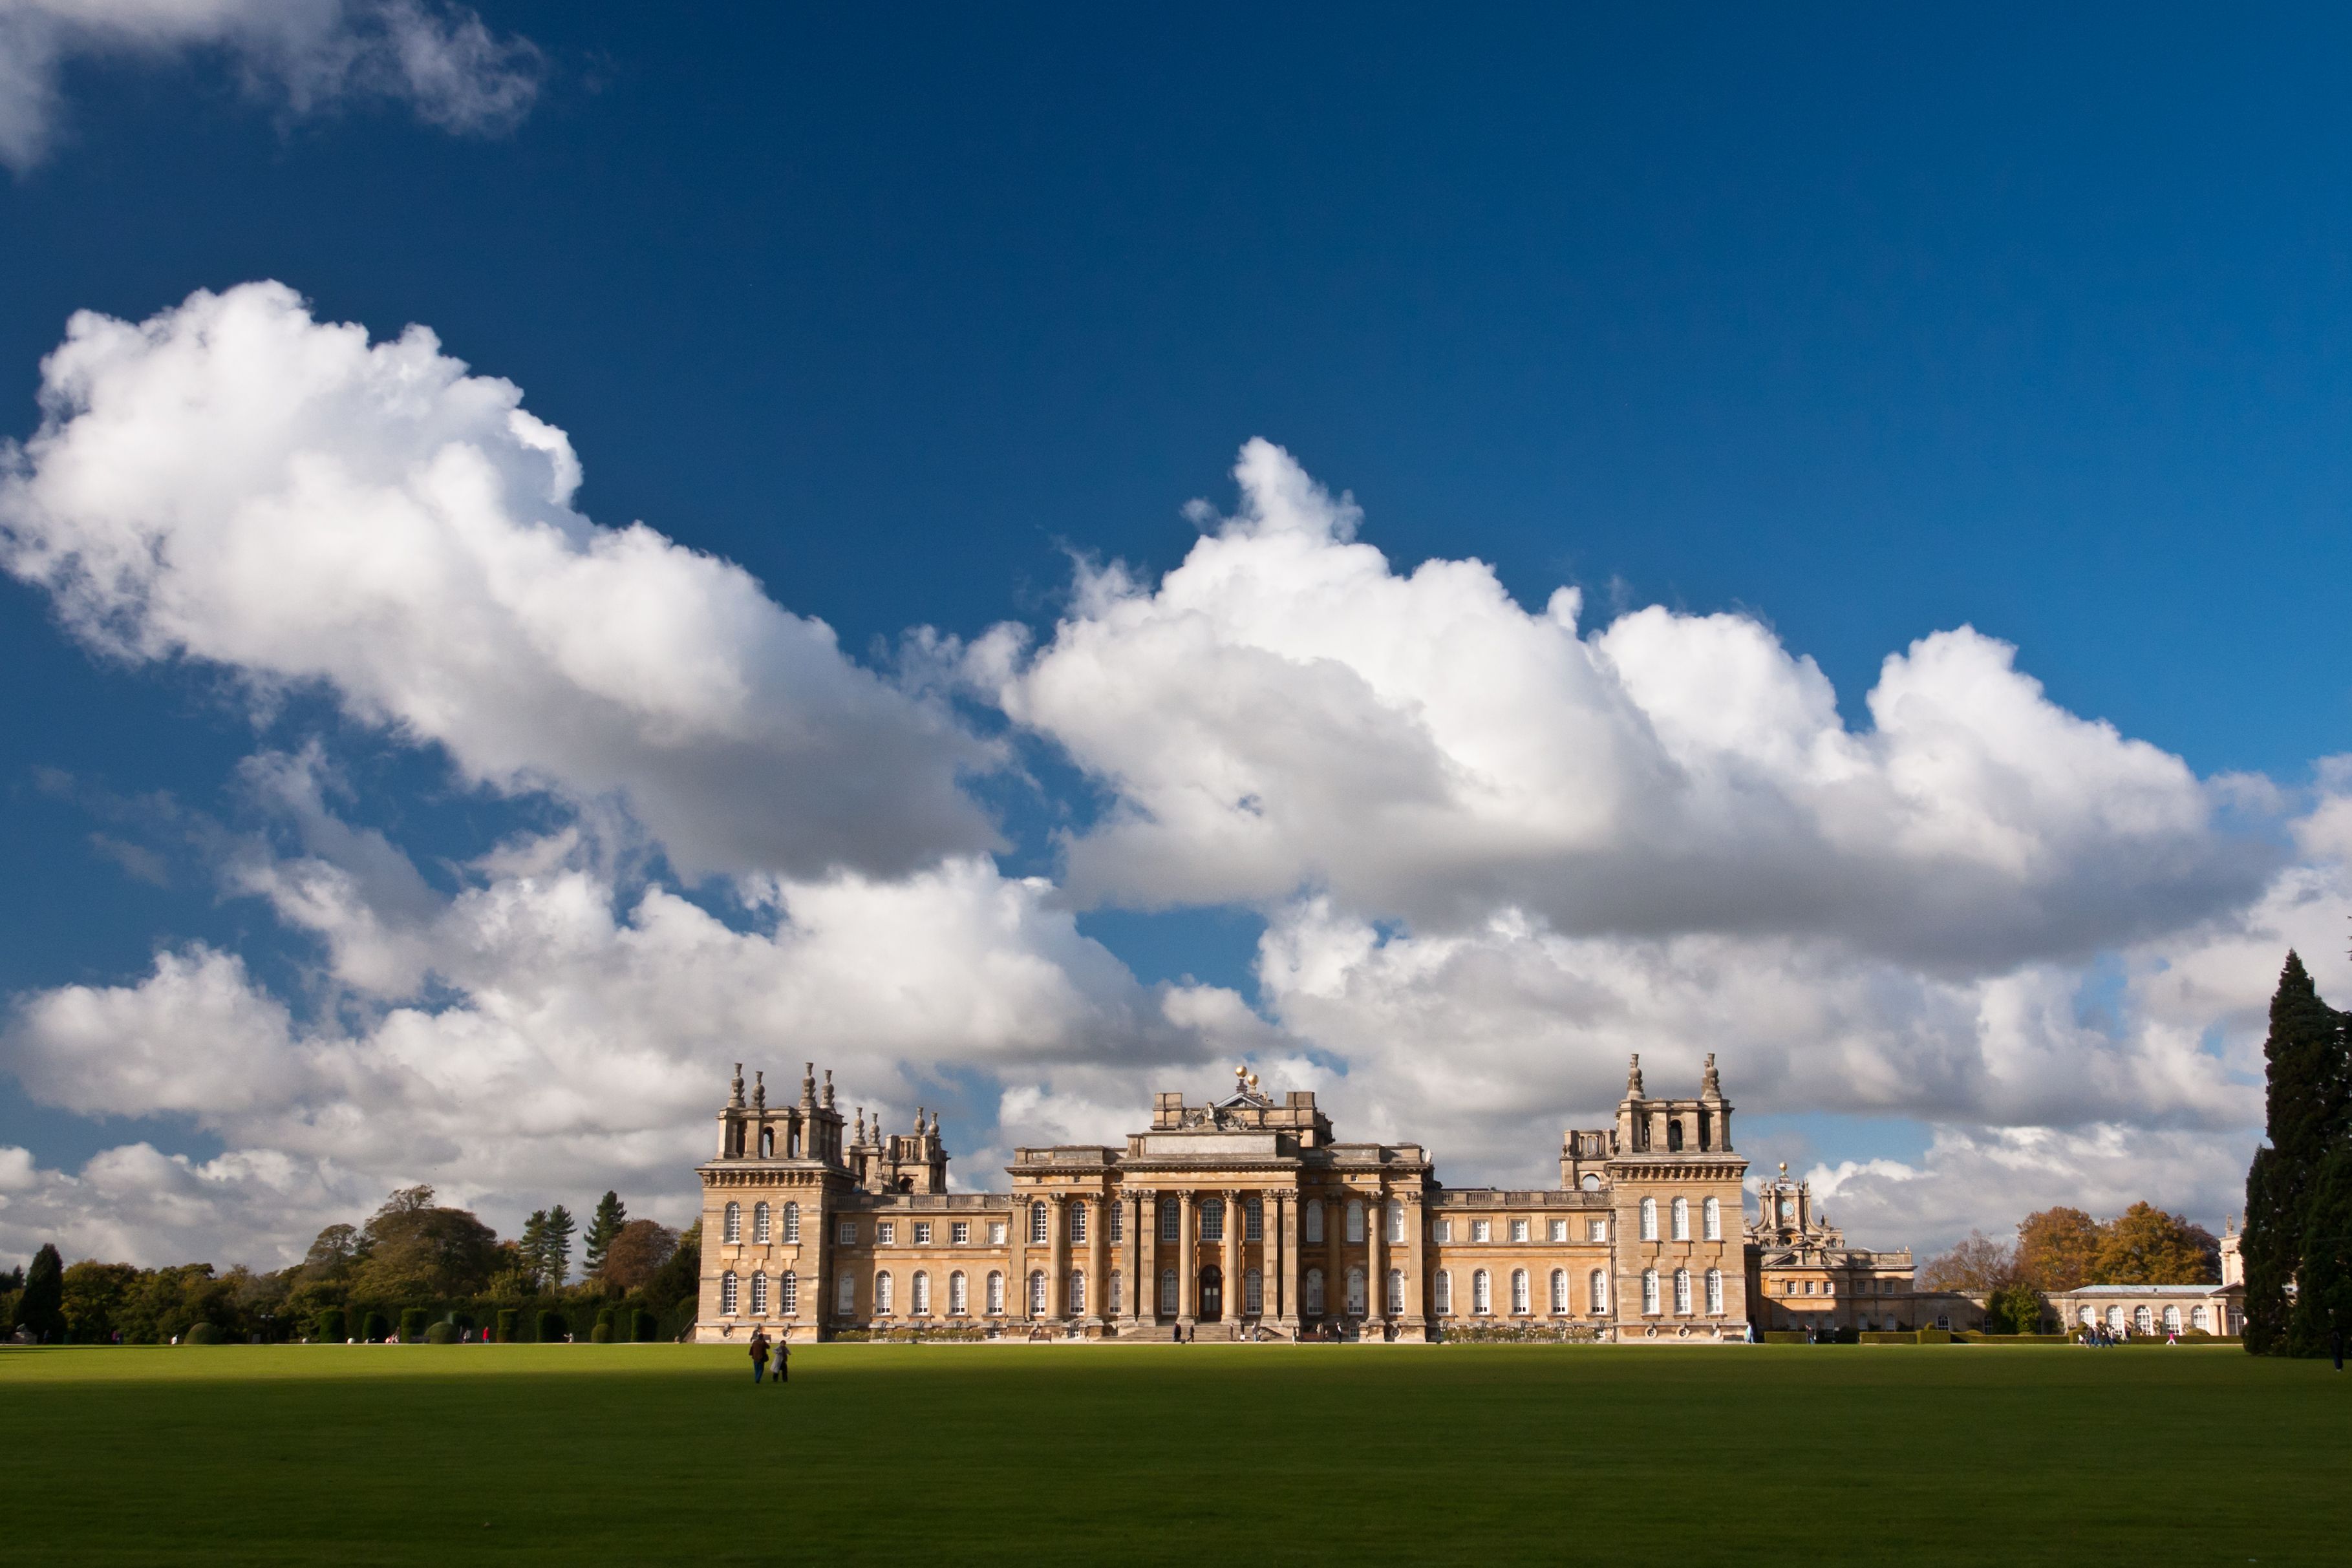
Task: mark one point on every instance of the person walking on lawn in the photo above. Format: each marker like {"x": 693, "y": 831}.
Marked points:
{"x": 759, "y": 1354}
{"x": 783, "y": 1359}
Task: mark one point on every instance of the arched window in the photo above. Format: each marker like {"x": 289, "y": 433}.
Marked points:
{"x": 882, "y": 1295}
{"x": 1560, "y": 1290}
{"x": 759, "y": 1224}
{"x": 1313, "y": 1292}
{"x": 1038, "y": 1232}
{"x": 844, "y": 1297}
{"x": 2116, "y": 1319}
{"x": 788, "y": 1295}
{"x": 1396, "y": 1220}
{"x": 1213, "y": 1219}
{"x": 1356, "y": 1292}
{"x": 1315, "y": 1220}
{"x": 1171, "y": 1225}
{"x": 1673, "y": 1135}
{"x": 1682, "y": 1292}
{"x": 1355, "y": 1220}
{"x": 1682, "y": 1219}
{"x": 995, "y": 1292}
{"x": 1396, "y": 1293}
{"x": 733, "y": 1230}
{"x": 1650, "y": 1291}
{"x": 1597, "y": 1291}
{"x": 919, "y": 1301}
{"x": 1481, "y": 1301}
{"x": 793, "y": 1142}
{"x": 791, "y": 1222}
{"x": 1036, "y": 1292}
{"x": 726, "y": 1293}
{"x": 1077, "y": 1291}
{"x": 1077, "y": 1222}
{"x": 760, "y": 1295}
{"x": 2141, "y": 1323}
{"x": 1590, "y": 1183}
{"x": 1711, "y": 1220}
{"x": 2090, "y": 1316}
{"x": 1445, "y": 1294}
{"x": 1253, "y": 1293}
{"x": 1715, "y": 1293}
{"x": 1166, "y": 1306}
{"x": 2199, "y": 1321}
{"x": 1649, "y": 1219}
{"x": 1519, "y": 1292}
{"x": 1115, "y": 1304}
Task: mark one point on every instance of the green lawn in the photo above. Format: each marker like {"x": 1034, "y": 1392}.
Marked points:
{"x": 952, "y": 1455}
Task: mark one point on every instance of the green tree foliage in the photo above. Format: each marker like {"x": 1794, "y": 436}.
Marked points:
{"x": 40, "y": 1310}
{"x": 2057, "y": 1248}
{"x": 332, "y": 1255}
{"x": 611, "y": 1216}
{"x": 2145, "y": 1245}
{"x": 2013, "y": 1309}
{"x": 414, "y": 1246}
{"x": 2309, "y": 1088}
{"x": 680, "y": 1279}
{"x": 2323, "y": 1302}
{"x": 555, "y": 1253}
{"x": 93, "y": 1298}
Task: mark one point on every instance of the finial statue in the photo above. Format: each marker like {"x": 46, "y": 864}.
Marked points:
{"x": 760, "y": 1089}
{"x": 735, "y": 1088}
{"x": 828, "y": 1088}
{"x": 1633, "y": 1077}
{"x": 861, "y": 1123}
{"x": 1784, "y": 1170}
{"x": 919, "y": 1120}
{"x": 1711, "y": 1086}
{"x": 1253, "y": 1083}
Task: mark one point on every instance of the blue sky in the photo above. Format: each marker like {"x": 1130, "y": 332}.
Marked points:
{"x": 1852, "y": 327}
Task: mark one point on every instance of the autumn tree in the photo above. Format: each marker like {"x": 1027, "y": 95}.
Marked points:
{"x": 2308, "y": 1088}
{"x": 2145, "y": 1245}
{"x": 1976, "y": 1263}
{"x": 2057, "y": 1248}
{"x": 611, "y": 1214}
{"x": 637, "y": 1254}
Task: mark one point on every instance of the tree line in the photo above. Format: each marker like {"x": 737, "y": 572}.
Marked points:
{"x": 2060, "y": 1249}
{"x": 2297, "y": 1245}
{"x": 413, "y": 1260}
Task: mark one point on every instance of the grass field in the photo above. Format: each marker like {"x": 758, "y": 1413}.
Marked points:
{"x": 1135, "y": 1455}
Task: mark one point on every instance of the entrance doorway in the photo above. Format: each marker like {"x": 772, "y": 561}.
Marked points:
{"x": 1213, "y": 1294}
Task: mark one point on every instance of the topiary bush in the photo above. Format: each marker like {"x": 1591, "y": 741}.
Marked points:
{"x": 374, "y": 1328}
{"x": 601, "y": 1334}
{"x": 552, "y": 1328}
{"x": 441, "y": 1333}
{"x": 642, "y": 1327}
{"x": 204, "y": 1334}
{"x": 509, "y": 1325}
{"x": 412, "y": 1324}
{"x": 331, "y": 1327}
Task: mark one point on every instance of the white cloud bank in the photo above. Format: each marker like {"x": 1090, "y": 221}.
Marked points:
{"x": 303, "y": 55}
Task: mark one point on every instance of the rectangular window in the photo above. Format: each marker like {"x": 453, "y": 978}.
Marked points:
{"x": 1559, "y": 1230}
{"x": 1254, "y": 1219}
{"x": 922, "y": 1233}
{"x": 1445, "y": 1230}
{"x": 1169, "y": 1220}
{"x": 885, "y": 1232}
{"x": 996, "y": 1233}
{"x": 1596, "y": 1230}
{"x": 1212, "y": 1220}
{"x": 1444, "y": 1293}
{"x": 1519, "y": 1230}
{"x": 960, "y": 1232}
{"x": 845, "y": 1297}
{"x": 846, "y": 1233}
{"x": 1480, "y": 1231}
{"x": 1077, "y": 1222}
{"x": 1038, "y": 1225}
{"x": 1115, "y": 1226}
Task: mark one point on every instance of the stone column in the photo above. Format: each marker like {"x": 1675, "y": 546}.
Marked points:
{"x": 1286, "y": 1270}
{"x": 1099, "y": 1263}
{"x": 1335, "y": 1255}
{"x": 1416, "y": 1274}
{"x": 1057, "y": 1273}
{"x": 1146, "y": 1300}
{"x": 1016, "y": 1259}
{"x": 1236, "y": 1256}
{"x": 1376, "y": 1283}
{"x": 1131, "y": 1310}
{"x": 1187, "y": 1286}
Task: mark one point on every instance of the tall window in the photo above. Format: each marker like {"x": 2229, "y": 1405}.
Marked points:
{"x": 760, "y": 1295}
{"x": 1315, "y": 1220}
{"x": 1395, "y": 1296}
{"x": 958, "y": 1303}
{"x": 1715, "y": 1293}
{"x": 1116, "y": 1303}
{"x": 995, "y": 1292}
{"x": 1650, "y": 1291}
{"x": 1039, "y": 1233}
{"x": 1355, "y": 1292}
{"x": 1597, "y": 1291}
{"x": 791, "y": 1222}
{"x": 1254, "y": 1219}
{"x": 1167, "y": 1304}
{"x": 2199, "y": 1321}
{"x": 734, "y": 1223}
{"x": 1444, "y": 1293}
{"x": 844, "y": 1297}
{"x": 920, "y": 1296}
{"x": 789, "y": 1295}
{"x": 1037, "y": 1292}
{"x": 1558, "y": 1290}
{"x": 882, "y": 1295}
{"x": 1171, "y": 1221}
{"x": 1682, "y": 1219}
{"x": 767, "y": 1143}
{"x": 1314, "y": 1293}
{"x": 1253, "y": 1293}
{"x": 1077, "y": 1222}
{"x": 1649, "y": 1219}
{"x": 2140, "y": 1320}
{"x": 726, "y": 1293}
{"x": 1711, "y": 1219}
{"x": 1396, "y": 1220}
{"x": 1115, "y": 1221}
{"x": 1682, "y": 1292}
{"x": 1213, "y": 1219}
{"x": 1481, "y": 1303}
{"x": 1077, "y": 1291}
{"x": 1519, "y": 1291}
{"x": 1355, "y": 1220}
{"x": 759, "y": 1224}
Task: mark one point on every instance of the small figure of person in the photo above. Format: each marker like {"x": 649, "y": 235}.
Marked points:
{"x": 759, "y": 1355}
{"x": 783, "y": 1359}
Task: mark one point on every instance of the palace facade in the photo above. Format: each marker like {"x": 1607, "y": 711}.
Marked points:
{"x": 1239, "y": 1218}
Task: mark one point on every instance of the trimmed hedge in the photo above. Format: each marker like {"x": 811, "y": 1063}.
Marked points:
{"x": 552, "y": 1328}
{"x": 601, "y": 1334}
{"x": 204, "y": 1334}
{"x": 329, "y": 1327}
{"x": 509, "y": 1321}
{"x": 412, "y": 1324}
{"x": 441, "y": 1333}
{"x": 376, "y": 1328}
{"x": 642, "y": 1326}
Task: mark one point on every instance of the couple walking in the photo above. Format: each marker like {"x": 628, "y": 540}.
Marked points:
{"x": 760, "y": 1348}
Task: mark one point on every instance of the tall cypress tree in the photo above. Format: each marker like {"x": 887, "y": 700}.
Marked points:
{"x": 41, "y": 1309}
{"x": 611, "y": 1214}
{"x": 2309, "y": 1084}
{"x": 557, "y": 1248}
